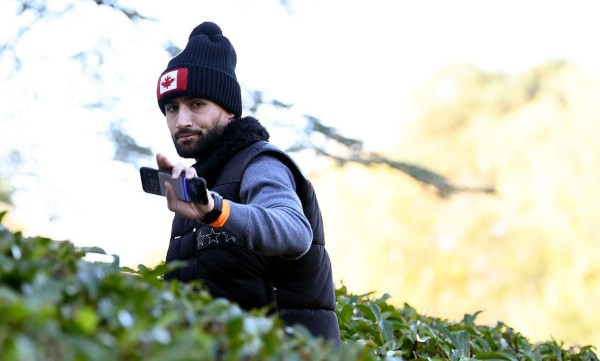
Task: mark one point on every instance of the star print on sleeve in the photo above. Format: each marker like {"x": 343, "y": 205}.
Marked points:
{"x": 227, "y": 236}
{"x": 199, "y": 240}
{"x": 212, "y": 238}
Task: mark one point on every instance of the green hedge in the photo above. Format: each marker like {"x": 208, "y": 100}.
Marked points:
{"x": 56, "y": 305}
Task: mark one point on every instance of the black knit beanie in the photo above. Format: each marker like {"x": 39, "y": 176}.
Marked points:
{"x": 205, "y": 68}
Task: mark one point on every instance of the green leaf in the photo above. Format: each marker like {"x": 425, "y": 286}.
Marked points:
{"x": 387, "y": 331}
{"x": 497, "y": 356}
{"x": 376, "y": 311}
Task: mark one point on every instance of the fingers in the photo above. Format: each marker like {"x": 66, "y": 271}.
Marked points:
{"x": 190, "y": 173}
{"x": 163, "y": 162}
{"x": 181, "y": 168}
{"x": 178, "y": 169}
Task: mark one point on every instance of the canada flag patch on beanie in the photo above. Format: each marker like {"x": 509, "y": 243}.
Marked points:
{"x": 174, "y": 80}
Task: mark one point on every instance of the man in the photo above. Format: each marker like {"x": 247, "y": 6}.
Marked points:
{"x": 259, "y": 241}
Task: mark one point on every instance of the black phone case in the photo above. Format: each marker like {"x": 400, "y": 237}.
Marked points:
{"x": 189, "y": 190}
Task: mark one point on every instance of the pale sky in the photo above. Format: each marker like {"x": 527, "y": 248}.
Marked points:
{"x": 350, "y": 63}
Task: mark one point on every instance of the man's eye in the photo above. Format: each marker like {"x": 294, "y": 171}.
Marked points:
{"x": 170, "y": 108}
{"x": 198, "y": 104}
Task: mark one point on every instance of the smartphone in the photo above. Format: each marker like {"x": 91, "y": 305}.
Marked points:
{"x": 189, "y": 190}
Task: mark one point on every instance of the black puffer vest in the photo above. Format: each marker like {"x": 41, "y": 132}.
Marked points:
{"x": 300, "y": 290}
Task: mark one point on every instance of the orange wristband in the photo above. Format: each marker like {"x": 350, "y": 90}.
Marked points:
{"x": 223, "y": 216}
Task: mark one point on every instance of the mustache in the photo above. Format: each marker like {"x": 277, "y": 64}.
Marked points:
{"x": 185, "y": 132}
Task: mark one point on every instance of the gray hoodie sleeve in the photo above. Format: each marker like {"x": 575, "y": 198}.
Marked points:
{"x": 269, "y": 217}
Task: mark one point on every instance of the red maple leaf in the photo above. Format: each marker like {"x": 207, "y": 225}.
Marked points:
{"x": 167, "y": 82}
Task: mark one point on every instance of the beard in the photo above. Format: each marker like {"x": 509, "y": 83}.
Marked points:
{"x": 198, "y": 148}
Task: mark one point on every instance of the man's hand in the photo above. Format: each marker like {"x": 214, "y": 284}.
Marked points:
{"x": 188, "y": 210}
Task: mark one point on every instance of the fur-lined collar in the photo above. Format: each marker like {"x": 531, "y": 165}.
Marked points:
{"x": 239, "y": 134}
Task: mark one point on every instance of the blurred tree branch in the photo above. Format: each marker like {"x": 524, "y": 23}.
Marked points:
{"x": 130, "y": 13}
{"x": 352, "y": 152}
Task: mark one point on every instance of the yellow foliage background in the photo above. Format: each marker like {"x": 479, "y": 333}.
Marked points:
{"x": 527, "y": 255}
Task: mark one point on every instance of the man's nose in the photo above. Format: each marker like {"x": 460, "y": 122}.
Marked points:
{"x": 184, "y": 117}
